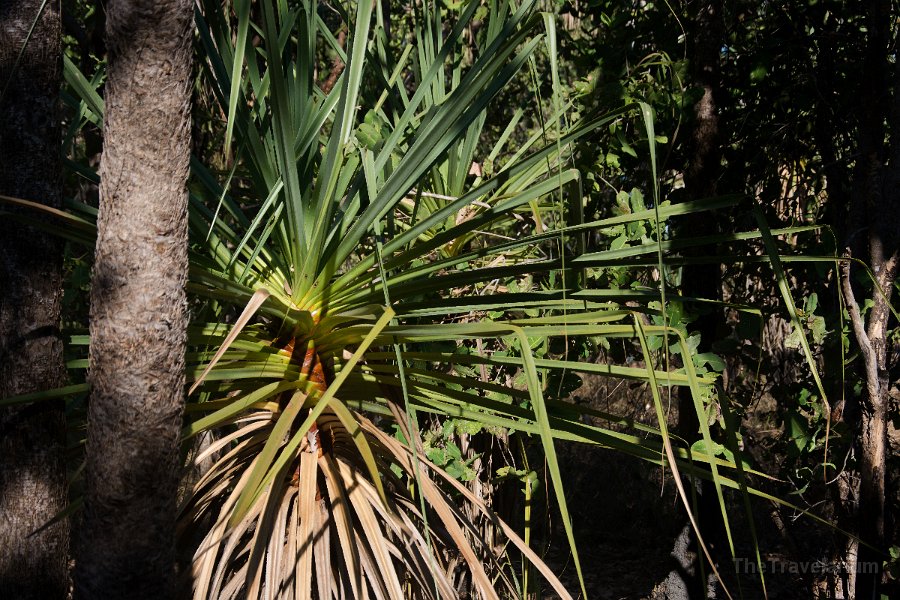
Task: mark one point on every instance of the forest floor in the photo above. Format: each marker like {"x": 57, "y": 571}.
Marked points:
{"x": 628, "y": 518}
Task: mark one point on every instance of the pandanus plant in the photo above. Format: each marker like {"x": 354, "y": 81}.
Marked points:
{"x": 340, "y": 271}
{"x": 349, "y": 266}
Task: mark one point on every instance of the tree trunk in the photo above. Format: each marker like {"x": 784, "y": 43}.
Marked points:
{"x": 875, "y": 214}
{"x": 701, "y": 174}
{"x": 32, "y": 473}
{"x": 704, "y": 166}
{"x": 138, "y": 306}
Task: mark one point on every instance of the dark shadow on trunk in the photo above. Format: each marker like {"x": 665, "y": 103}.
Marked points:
{"x": 33, "y": 486}
{"x": 701, "y": 175}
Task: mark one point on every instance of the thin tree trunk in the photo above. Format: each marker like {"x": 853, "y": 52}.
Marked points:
{"x": 703, "y": 169}
{"x": 704, "y": 166}
{"x": 875, "y": 236}
{"x": 32, "y": 473}
{"x": 138, "y": 306}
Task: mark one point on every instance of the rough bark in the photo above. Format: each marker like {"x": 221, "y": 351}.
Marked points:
{"x": 32, "y": 474}
{"x": 138, "y": 306}
{"x": 704, "y": 160}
